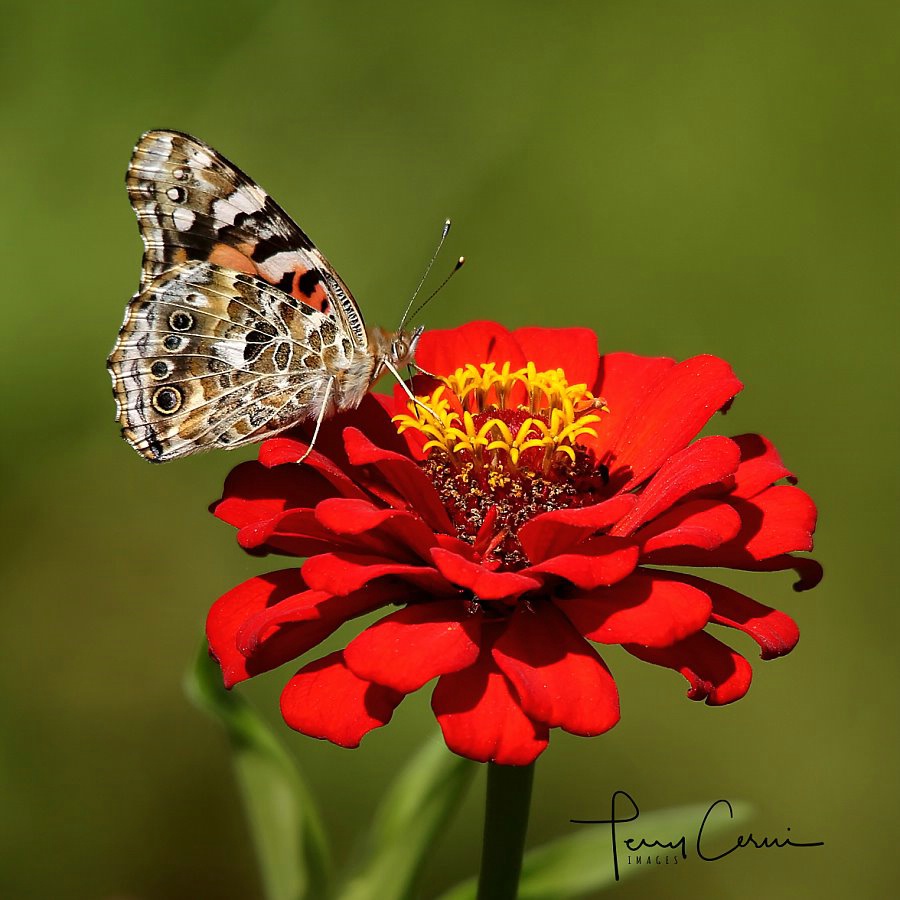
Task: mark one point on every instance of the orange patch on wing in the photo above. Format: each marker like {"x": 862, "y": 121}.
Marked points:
{"x": 317, "y": 300}
{"x": 231, "y": 258}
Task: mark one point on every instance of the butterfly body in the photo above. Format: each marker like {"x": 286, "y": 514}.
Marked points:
{"x": 241, "y": 328}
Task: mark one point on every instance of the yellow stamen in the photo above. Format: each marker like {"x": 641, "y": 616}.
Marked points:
{"x": 556, "y": 414}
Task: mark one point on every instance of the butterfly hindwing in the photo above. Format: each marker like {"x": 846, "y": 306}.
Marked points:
{"x": 192, "y": 204}
{"x": 213, "y": 357}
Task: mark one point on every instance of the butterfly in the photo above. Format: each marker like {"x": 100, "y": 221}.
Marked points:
{"x": 241, "y": 328}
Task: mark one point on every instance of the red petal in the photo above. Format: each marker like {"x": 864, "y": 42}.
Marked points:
{"x": 370, "y": 416}
{"x": 294, "y": 531}
{"x": 574, "y": 350}
{"x": 386, "y": 402}
{"x": 760, "y": 466}
{"x": 313, "y": 615}
{"x": 596, "y": 562}
{"x": 329, "y": 456}
{"x": 457, "y": 546}
{"x": 231, "y": 610}
{"x": 408, "y": 648}
{"x": 253, "y": 493}
{"x": 559, "y": 678}
{"x": 781, "y": 519}
{"x": 730, "y": 557}
{"x": 299, "y": 532}
{"x": 698, "y": 523}
{"x": 715, "y": 672}
{"x": 485, "y": 535}
{"x": 405, "y": 531}
{"x": 341, "y": 573}
{"x": 672, "y": 411}
{"x": 809, "y": 570}
{"x": 775, "y": 632}
{"x": 286, "y": 451}
{"x": 649, "y": 608}
{"x": 326, "y": 700}
{"x": 403, "y": 475}
{"x": 704, "y": 462}
{"x": 623, "y": 380}
{"x": 776, "y": 522}
{"x": 481, "y": 718}
{"x": 559, "y": 530}
{"x": 486, "y": 585}
{"x": 444, "y": 351}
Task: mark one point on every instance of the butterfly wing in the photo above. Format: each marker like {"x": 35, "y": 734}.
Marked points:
{"x": 209, "y": 357}
{"x": 193, "y": 204}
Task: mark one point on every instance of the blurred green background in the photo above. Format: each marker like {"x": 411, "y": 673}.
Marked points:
{"x": 682, "y": 177}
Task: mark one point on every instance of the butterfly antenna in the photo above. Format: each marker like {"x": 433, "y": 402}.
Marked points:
{"x": 439, "y": 288}
{"x": 444, "y": 233}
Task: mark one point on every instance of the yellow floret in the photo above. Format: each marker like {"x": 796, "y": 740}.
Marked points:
{"x": 559, "y": 414}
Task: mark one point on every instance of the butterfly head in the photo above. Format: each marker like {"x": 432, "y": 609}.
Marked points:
{"x": 395, "y": 347}
{"x": 403, "y": 345}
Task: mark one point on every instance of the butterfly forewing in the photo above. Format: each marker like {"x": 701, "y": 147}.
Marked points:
{"x": 193, "y": 204}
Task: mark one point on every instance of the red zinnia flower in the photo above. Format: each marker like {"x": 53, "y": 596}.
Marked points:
{"x": 518, "y": 522}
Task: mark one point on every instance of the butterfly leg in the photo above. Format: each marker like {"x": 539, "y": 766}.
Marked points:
{"x": 405, "y": 387}
{"x": 418, "y": 368}
{"x": 321, "y": 417}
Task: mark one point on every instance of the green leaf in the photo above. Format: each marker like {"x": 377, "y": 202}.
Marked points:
{"x": 284, "y": 822}
{"x": 408, "y": 822}
{"x": 582, "y": 863}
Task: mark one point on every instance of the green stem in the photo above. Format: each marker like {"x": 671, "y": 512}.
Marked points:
{"x": 505, "y": 824}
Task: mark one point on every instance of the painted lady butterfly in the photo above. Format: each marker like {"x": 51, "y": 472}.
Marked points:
{"x": 241, "y": 328}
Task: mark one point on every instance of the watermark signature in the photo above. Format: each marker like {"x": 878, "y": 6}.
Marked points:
{"x": 624, "y": 809}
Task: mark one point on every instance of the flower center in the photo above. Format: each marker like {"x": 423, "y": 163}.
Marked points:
{"x": 501, "y": 446}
